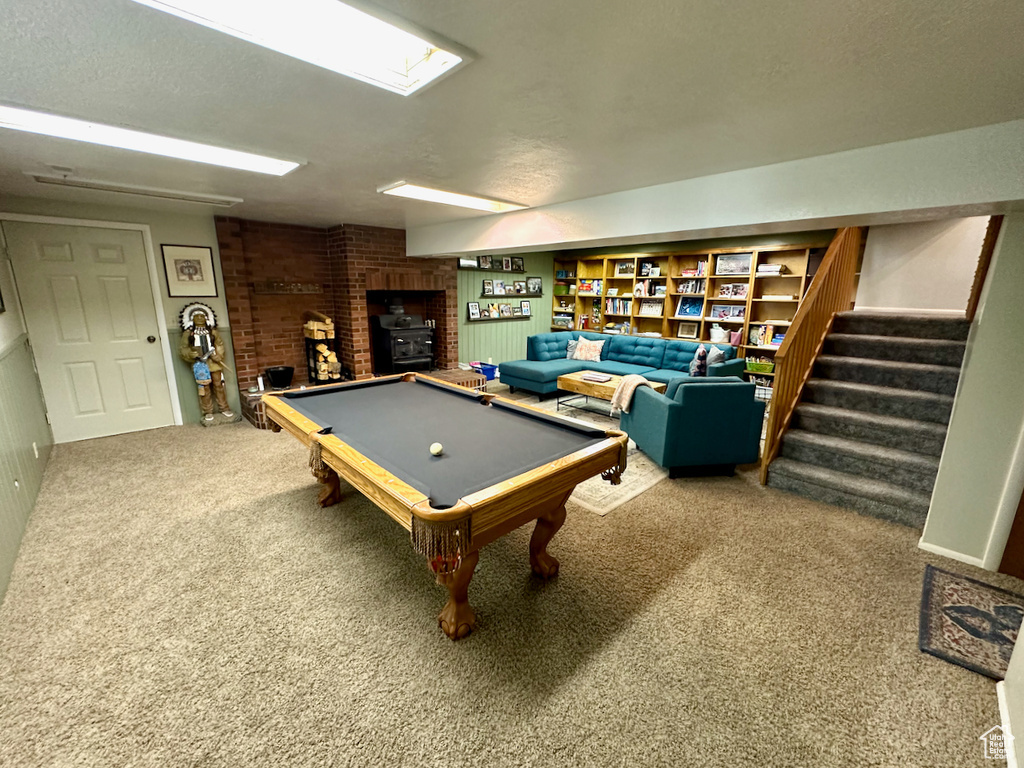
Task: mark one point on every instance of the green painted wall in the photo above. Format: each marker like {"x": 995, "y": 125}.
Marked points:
{"x": 503, "y": 340}
{"x": 22, "y": 423}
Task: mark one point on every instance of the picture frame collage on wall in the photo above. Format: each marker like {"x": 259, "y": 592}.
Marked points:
{"x": 498, "y": 311}
{"x": 494, "y": 263}
{"x": 531, "y": 286}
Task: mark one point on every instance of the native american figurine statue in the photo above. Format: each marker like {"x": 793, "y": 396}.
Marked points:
{"x": 202, "y": 347}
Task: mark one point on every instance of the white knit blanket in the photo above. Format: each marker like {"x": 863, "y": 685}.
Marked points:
{"x": 623, "y": 397}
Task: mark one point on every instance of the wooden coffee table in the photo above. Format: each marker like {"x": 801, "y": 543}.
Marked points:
{"x": 584, "y": 390}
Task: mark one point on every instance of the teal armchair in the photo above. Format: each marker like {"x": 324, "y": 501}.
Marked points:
{"x": 699, "y": 426}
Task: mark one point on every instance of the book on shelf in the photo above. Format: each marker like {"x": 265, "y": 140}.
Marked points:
{"x": 699, "y": 271}
{"x": 688, "y": 306}
{"x": 690, "y": 286}
{"x": 617, "y": 306}
{"x": 771, "y": 269}
{"x": 778, "y": 297}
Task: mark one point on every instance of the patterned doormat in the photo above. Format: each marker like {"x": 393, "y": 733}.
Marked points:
{"x": 968, "y": 622}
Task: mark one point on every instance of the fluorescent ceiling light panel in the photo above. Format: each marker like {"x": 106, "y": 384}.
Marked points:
{"x": 123, "y": 138}
{"x": 329, "y": 34}
{"x": 220, "y": 201}
{"x": 415, "y": 192}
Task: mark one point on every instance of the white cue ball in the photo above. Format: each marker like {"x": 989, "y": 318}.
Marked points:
{"x": 436, "y": 448}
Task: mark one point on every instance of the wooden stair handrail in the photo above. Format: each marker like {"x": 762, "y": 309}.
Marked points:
{"x": 831, "y": 291}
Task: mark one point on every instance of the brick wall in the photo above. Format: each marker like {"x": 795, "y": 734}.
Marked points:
{"x": 346, "y": 261}
{"x": 373, "y": 259}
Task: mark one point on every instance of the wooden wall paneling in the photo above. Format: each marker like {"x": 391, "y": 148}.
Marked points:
{"x": 1013, "y": 556}
{"x": 503, "y": 341}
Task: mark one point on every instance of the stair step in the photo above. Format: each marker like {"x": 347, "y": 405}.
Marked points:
{"x": 900, "y": 348}
{"x": 952, "y": 326}
{"x": 867, "y": 496}
{"x": 888, "y": 373}
{"x": 906, "y": 469}
{"x": 924, "y": 437}
{"x": 886, "y": 401}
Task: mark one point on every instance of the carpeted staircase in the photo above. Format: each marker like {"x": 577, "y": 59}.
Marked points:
{"x": 870, "y": 427}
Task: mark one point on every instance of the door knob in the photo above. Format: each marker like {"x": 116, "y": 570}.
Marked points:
{"x": 151, "y": 339}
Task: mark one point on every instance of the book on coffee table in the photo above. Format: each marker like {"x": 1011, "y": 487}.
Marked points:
{"x": 600, "y": 377}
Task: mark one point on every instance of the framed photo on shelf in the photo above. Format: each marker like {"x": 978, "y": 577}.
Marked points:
{"x": 499, "y": 287}
{"x": 732, "y": 290}
{"x": 506, "y": 263}
{"x": 525, "y": 306}
{"x": 492, "y": 310}
{"x": 535, "y": 285}
{"x": 728, "y": 311}
{"x": 483, "y": 262}
{"x": 488, "y": 288}
{"x": 624, "y": 268}
{"x": 505, "y": 310}
{"x": 517, "y": 311}
{"x": 467, "y": 262}
{"x": 687, "y": 330}
{"x": 733, "y": 264}
{"x": 517, "y": 264}
{"x": 474, "y": 310}
{"x": 518, "y": 286}
{"x": 655, "y": 271}
{"x": 189, "y": 270}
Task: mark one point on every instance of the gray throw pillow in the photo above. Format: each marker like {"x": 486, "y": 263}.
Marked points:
{"x": 570, "y": 348}
{"x": 715, "y": 356}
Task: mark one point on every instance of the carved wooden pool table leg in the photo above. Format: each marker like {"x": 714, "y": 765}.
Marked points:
{"x": 457, "y": 618}
{"x": 330, "y": 494}
{"x": 543, "y": 564}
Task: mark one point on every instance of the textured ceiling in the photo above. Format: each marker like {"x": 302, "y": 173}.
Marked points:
{"x": 565, "y": 100}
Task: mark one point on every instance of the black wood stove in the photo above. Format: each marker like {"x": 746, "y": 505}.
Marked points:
{"x": 401, "y": 343}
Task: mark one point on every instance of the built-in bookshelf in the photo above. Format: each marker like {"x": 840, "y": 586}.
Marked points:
{"x": 744, "y": 297}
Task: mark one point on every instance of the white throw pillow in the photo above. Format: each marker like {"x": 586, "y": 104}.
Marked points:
{"x": 715, "y": 356}
{"x": 589, "y": 350}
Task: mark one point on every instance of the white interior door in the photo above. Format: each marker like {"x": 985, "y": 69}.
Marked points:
{"x": 93, "y": 327}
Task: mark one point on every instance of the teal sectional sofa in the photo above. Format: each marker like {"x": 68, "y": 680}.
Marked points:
{"x": 698, "y": 426}
{"x": 656, "y": 359}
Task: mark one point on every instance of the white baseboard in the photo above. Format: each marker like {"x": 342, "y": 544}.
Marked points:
{"x": 952, "y": 555}
{"x": 1004, "y": 716}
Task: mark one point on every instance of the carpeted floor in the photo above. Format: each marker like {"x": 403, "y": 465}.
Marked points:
{"x": 180, "y": 600}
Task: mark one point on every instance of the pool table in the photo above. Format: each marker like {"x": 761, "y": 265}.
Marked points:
{"x": 503, "y": 465}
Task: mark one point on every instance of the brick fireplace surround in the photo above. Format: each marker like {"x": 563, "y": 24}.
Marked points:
{"x": 346, "y": 262}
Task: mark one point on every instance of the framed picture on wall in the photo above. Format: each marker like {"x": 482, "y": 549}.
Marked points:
{"x": 517, "y": 264}
{"x": 535, "y": 285}
{"x": 499, "y": 287}
{"x": 525, "y": 306}
{"x": 189, "y": 270}
{"x": 484, "y": 262}
{"x": 519, "y": 286}
{"x": 506, "y": 263}
{"x": 488, "y": 288}
{"x": 517, "y": 311}
{"x": 505, "y": 310}
{"x": 474, "y": 310}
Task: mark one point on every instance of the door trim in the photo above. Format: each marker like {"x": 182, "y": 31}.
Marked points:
{"x": 154, "y": 286}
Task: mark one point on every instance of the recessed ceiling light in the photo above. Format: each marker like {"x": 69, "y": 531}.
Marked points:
{"x": 329, "y": 34}
{"x": 415, "y": 192}
{"x": 220, "y": 201}
{"x": 124, "y": 138}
